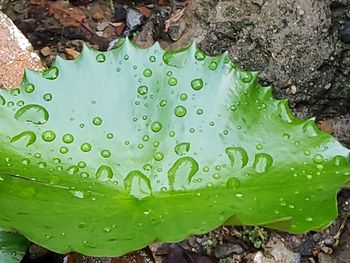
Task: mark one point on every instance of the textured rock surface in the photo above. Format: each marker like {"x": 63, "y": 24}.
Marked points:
{"x": 16, "y": 54}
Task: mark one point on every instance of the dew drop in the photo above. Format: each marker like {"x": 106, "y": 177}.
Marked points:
{"x": 109, "y": 136}
{"x": 199, "y": 111}
{"x": 63, "y": 150}
{"x": 156, "y": 126}
{"x": 28, "y": 137}
{"x": 197, "y": 84}
{"x": 152, "y": 59}
{"x": 48, "y": 136}
{"x": 32, "y": 113}
{"x": 183, "y": 96}
{"x": 145, "y": 138}
{"x": 180, "y": 111}
{"x": 163, "y": 103}
{"x": 199, "y": 55}
{"x": 97, "y": 121}
{"x": 104, "y": 173}
{"x": 259, "y": 147}
{"x": 238, "y": 157}
{"x": 172, "y": 134}
{"x": 137, "y": 184}
{"x": 68, "y": 138}
{"x": 147, "y": 167}
{"x": 81, "y": 164}
{"x": 51, "y": 73}
{"x": 262, "y": 162}
{"x": 142, "y": 90}
{"x": 182, "y": 148}
{"x": 85, "y": 147}
{"x": 100, "y": 58}
{"x": 339, "y": 160}
{"x": 147, "y": 73}
{"x": 307, "y": 152}
{"x": 47, "y": 97}
{"x": 233, "y": 183}
{"x": 309, "y": 219}
{"x": 183, "y": 166}
{"x": 158, "y": 156}
{"x": 106, "y": 153}
{"x": 29, "y": 88}
{"x": 73, "y": 169}
{"x": 172, "y": 81}
{"x": 246, "y": 76}
{"x": 216, "y": 176}
{"x": 318, "y": 158}
{"x": 213, "y": 65}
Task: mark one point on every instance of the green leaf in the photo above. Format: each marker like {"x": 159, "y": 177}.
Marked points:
{"x": 12, "y": 247}
{"x": 107, "y": 153}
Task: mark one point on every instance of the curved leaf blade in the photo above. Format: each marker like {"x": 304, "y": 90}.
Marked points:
{"x": 12, "y": 247}
{"x": 109, "y": 152}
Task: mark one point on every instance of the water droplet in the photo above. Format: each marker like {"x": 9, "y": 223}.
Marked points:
{"x": 15, "y": 92}
{"x": 163, "y": 103}
{"x": 106, "y": 153}
{"x": 339, "y": 160}
{"x": 183, "y": 166}
{"x": 100, "y": 58}
{"x": 28, "y": 137}
{"x": 205, "y": 169}
{"x": 259, "y": 147}
{"x": 172, "y": 81}
{"x": 152, "y": 59}
{"x": 26, "y": 161}
{"x": 68, "y": 138}
{"x": 51, "y": 73}
{"x": 48, "y": 136}
{"x": 233, "y": 183}
{"x": 192, "y": 130}
{"x": 156, "y": 126}
{"x": 180, "y": 111}
{"x": 182, "y": 148}
{"x": 286, "y": 136}
{"x": 169, "y": 74}
{"x": 81, "y": 164}
{"x": 238, "y": 157}
{"x": 199, "y": 111}
{"x": 197, "y": 84}
{"x": 199, "y": 55}
{"x": 20, "y": 103}
{"x": 142, "y": 90}
{"x": 172, "y": 134}
{"x": 216, "y": 176}
{"x": 104, "y": 173}
{"x": 309, "y": 219}
{"x": 213, "y": 65}
{"x": 246, "y": 76}
{"x": 85, "y": 147}
{"x": 97, "y": 121}
{"x": 32, "y": 113}
{"x": 239, "y": 195}
{"x": 147, "y": 167}
{"x": 318, "y": 158}
{"x": 307, "y": 152}
{"x": 233, "y": 108}
{"x": 137, "y": 184}
{"x": 47, "y": 97}
{"x": 158, "y": 156}
{"x": 183, "y": 96}
{"x": 262, "y": 162}
{"x": 147, "y": 73}
{"x": 284, "y": 111}
{"x": 63, "y": 150}
{"x": 73, "y": 169}
{"x": 2, "y": 100}
{"x": 29, "y": 88}
{"x": 109, "y": 136}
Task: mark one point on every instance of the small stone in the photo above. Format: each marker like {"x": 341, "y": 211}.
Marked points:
{"x": 145, "y": 11}
{"x": 328, "y": 86}
{"x": 102, "y": 26}
{"x": 119, "y": 29}
{"x": 224, "y": 251}
{"x": 133, "y": 19}
{"x": 301, "y": 12}
{"x": 327, "y": 250}
{"x": 99, "y": 33}
{"x": 71, "y": 53}
{"x": 258, "y": 2}
{"x": 97, "y": 15}
{"x": 45, "y": 51}
{"x": 177, "y": 29}
{"x": 329, "y": 241}
{"x": 119, "y": 14}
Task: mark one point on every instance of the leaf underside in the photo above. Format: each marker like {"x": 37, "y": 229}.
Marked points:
{"x": 12, "y": 247}
{"x": 107, "y": 153}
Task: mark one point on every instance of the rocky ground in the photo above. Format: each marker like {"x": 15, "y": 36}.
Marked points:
{"x": 301, "y": 48}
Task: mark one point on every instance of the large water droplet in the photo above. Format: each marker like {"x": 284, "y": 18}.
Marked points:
{"x": 158, "y": 156}
{"x": 97, "y": 121}
{"x": 172, "y": 81}
{"x": 32, "y": 113}
{"x": 68, "y": 138}
{"x": 213, "y": 65}
{"x": 181, "y": 171}
{"x": 147, "y": 73}
{"x": 182, "y": 148}
{"x": 199, "y": 55}
{"x": 28, "y": 137}
{"x": 85, "y": 147}
{"x": 197, "y": 84}
{"x": 137, "y": 184}
{"x": 339, "y": 160}
{"x": 262, "y": 162}
{"x": 47, "y": 97}
{"x": 238, "y": 157}
{"x": 29, "y": 88}
{"x": 100, "y": 58}
{"x": 180, "y": 111}
{"x": 142, "y": 90}
{"x": 106, "y": 153}
{"x": 104, "y": 173}
{"x": 48, "y": 136}
{"x": 246, "y": 76}
{"x": 233, "y": 183}
{"x": 73, "y": 169}
{"x": 318, "y": 158}
{"x": 51, "y": 73}
{"x": 156, "y": 126}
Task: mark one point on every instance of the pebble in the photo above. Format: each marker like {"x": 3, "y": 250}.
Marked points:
{"x": 224, "y": 251}
{"x": 102, "y": 26}
{"x": 71, "y": 53}
{"x": 97, "y": 15}
{"x": 133, "y": 19}
{"x": 258, "y": 2}
{"x": 119, "y": 14}
{"x": 45, "y": 51}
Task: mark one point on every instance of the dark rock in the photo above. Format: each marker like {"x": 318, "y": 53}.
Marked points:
{"x": 306, "y": 247}
{"x": 224, "y": 251}
{"x": 134, "y": 19}
{"x": 345, "y": 33}
{"x": 176, "y": 29}
{"x": 119, "y": 14}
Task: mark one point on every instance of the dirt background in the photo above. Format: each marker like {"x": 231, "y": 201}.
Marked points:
{"x": 301, "y": 48}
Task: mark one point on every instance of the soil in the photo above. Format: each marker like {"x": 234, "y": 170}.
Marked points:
{"x": 301, "y": 48}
